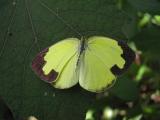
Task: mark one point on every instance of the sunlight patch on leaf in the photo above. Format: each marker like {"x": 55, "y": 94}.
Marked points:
{"x": 32, "y": 118}
{"x": 142, "y": 71}
{"x": 89, "y": 115}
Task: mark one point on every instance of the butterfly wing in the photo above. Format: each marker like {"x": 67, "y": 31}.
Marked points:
{"x": 57, "y": 64}
{"x": 102, "y": 60}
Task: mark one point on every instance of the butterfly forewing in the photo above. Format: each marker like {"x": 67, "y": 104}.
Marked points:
{"x": 59, "y": 63}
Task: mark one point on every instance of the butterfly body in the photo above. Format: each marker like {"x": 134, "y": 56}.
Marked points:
{"x": 81, "y": 48}
{"x": 94, "y": 63}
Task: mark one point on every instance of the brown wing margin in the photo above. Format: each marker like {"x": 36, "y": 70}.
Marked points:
{"x": 37, "y": 65}
{"x": 128, "y": 55}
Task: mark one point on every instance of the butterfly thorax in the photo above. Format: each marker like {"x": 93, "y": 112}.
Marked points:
{"x": 81, "y": 48}
{"x": 82, "y": 45}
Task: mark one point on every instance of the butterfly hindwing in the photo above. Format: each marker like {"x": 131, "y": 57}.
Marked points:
{"x": 100, "y": 55}
{"x": 57, "y": 64}
{"x": 68, "y": 76}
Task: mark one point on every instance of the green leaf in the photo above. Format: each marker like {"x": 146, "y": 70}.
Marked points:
{"x": 133, "y": 8}
{"x": 144, "y": 20}
{"x": 29, "y": 26}
{"x": 142, "y": 71}
{"x": 148, "y": 41}
{"x": 126, "y": 89}
{"x": 130, "y": 28}
{"x": 156, "y": 20}
{"x": 138, "y": 117}
{"x": 151, "y": 6}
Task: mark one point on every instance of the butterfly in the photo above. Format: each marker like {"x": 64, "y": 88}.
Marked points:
{"x": 93, "y": 62}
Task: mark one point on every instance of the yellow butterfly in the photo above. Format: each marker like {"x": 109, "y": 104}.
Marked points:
{"x": 94, "y": 63}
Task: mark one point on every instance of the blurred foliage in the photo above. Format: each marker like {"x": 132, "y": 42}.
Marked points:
{"x": 29, "y": 26}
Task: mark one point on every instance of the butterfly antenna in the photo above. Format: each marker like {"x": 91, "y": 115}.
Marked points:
{"x": 60, "y": 18}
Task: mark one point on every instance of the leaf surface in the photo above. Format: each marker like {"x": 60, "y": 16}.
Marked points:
{"x": 29, "y": 26}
